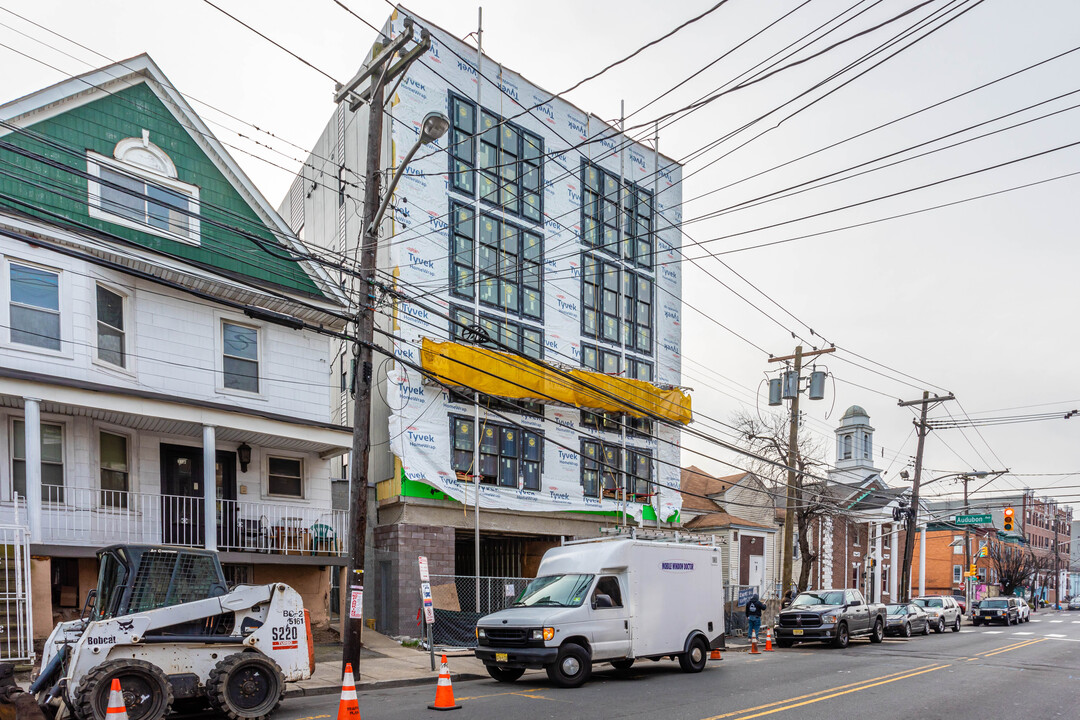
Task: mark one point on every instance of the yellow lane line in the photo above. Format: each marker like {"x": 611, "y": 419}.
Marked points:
{"x": 1017, "y": 647}
{"x": 810, "y": 695}
{"x": 511, "y": 692}
{"x": 838, "y": 694}
{"x": 1011, "y": 646}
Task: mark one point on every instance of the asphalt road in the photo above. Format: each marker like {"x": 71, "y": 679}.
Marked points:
{"x": 981, "y": 673}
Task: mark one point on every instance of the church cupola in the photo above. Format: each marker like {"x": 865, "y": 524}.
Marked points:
{"x": 855, "y": 440}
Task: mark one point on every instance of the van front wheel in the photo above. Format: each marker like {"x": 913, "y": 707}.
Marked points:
{"x": 695, "y": 657}
{"x": 572, "y": 667}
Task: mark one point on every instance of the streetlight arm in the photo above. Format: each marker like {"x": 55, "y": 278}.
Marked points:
{"x": 393, "y": 183}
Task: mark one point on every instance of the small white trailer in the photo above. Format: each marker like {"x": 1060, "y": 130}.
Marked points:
{"x": 612, "y": 600}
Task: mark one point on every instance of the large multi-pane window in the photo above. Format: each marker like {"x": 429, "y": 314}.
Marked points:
{"x": 503, "y": 157}
{"x": 501, "y": 331}
{"x": 509, "y": 456}
{"x": 606, "y": 361}
{"x": 605, "y": 468}
{"x": 631, "y": 240}
{"x": 613, "y": 297}
{"x": 34, "y": 311}
{"x": 509, "y": 276}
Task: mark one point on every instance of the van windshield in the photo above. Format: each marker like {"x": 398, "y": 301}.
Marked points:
{"x": 562, "y": 590}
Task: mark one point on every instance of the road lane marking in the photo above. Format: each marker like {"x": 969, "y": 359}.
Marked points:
{"x": 1026, "y": 632}
{"x": 809, "y": 695}
{"x": 786, "y": 704}
{"x": 1054, "y": 635}
{"x": 992, "y": 632}
{"x": 1056, "y": 621}
{"x": 1015, "y": 647}
{"x": 1076, "y": 622}
{"x": 511, "y": 692}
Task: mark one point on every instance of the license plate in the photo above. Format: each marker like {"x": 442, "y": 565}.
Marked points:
{"x": 988, "y": 617}
{"x": 796, "y": 632}
{"x": 501, "y": 657}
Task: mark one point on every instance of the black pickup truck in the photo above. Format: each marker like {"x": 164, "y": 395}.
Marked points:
{"x": 833, "y": 616}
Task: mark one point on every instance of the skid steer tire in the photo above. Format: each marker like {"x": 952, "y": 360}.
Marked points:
{"x": 147, "y": 692}
{"x": 246, "y": 686}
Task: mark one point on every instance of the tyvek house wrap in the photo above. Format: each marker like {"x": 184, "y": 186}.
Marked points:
{"x": 420, "y": 420}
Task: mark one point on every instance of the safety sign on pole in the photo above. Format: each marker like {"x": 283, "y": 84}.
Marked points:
{"x": 424, "y": 577}
{"x": 356, "y": 603}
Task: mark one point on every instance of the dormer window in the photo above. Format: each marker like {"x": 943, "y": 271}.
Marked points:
{"x": 138, "y": 188}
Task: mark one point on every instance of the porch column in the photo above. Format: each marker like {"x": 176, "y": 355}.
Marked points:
{"x": 877, "y": 564}
{"x": 894, "y": 537}
{"x": 209, "y": 451}
{"x": 32, "y": 423}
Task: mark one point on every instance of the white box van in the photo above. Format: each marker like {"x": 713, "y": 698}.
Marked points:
{"x": 609, "y": 600}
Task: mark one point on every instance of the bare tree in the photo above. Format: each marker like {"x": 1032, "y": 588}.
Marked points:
{"x": 1016, "y": 565}
{"x": 768, "y": 438}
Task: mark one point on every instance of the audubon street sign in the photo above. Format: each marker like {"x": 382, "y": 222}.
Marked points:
{"x": 971, "y": 519}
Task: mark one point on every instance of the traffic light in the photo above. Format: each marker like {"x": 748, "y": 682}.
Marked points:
{"x": 972, "y": 570}
{"x": 1008, "y": 519}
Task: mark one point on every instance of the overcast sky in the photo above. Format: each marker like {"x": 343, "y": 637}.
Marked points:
{"x": 978, "y": 298}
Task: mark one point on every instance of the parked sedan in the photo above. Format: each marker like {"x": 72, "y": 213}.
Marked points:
{"x": 1074, "y": 603}
{"x": 905, "y": 618}
{"x": 999, "y": 609}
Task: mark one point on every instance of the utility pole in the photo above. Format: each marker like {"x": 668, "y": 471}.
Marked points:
{"x": 381, "y": 70}
{"x": 792, "y": 455}
{"x": 922, "y": 428}
{"x": 967, "y": 547}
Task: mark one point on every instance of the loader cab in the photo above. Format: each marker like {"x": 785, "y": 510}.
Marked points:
{"x": 136, "y": 578}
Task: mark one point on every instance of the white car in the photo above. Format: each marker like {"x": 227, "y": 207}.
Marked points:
{"x": 1025, "y": 610}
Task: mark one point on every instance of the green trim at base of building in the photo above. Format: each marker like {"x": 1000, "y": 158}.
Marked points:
{"x": 419, "y": 489}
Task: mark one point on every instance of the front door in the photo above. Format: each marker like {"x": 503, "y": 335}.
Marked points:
{"x": 757, "y": 573}
{"x": 182, "y": 504}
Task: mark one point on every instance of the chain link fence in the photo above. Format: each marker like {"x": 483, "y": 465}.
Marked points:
{"x": 456, "y": 605}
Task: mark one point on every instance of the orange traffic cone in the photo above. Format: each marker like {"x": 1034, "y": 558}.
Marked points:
{"x": 348, "y": 707}
{"x": 753, "y": 645}
{"x": 768, "y": 639}
{"x": 715, "y": 655}
{"x": 444, "y": 691}
{"x": 117, "y": 710}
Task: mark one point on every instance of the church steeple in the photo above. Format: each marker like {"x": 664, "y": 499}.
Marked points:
{"x": 855, "y": 441}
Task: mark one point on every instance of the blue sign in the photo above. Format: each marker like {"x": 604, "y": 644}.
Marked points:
{"x": 745, "y": 594}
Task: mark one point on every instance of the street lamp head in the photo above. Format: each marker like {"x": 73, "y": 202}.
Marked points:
{"x": 435, "y": 126}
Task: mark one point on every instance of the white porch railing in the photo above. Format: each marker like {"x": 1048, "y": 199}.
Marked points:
{"x": 85, "y": 516}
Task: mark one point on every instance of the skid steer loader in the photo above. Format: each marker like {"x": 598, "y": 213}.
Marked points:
{"x": 164, "y": 622}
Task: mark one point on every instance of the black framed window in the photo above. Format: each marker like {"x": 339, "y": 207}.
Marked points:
{"x": 601, "y": 468}
{"x": 637, "y": 369}
{"x": 502, "y": 156}
{"x": 503, "y": 332}
{"x": 510, "y": 274}
{"x": 639, "y": 485}
{"x": 509, "y": 456}
{"x": 631, "y": 239}
{"x": 618, "y": 305}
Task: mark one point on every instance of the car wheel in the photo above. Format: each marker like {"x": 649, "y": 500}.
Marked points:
{"x": 907, "y": 629}
{"x": 842, "y": 638}
{"x": 940, "y": 627}
{"x": 956, "y": 625}
{"x": 784, "y": 643}
{"x": 926, "y": 627}
{"x": 1008, "y": 620}
{"x": 506, "y": 675}
{"x": 879, "y": 632}
{"x": 572, "y": 667}
{"x": 622, "y": 664}
{"x": 695, "y": 657}
{"x": 975, "y": 622}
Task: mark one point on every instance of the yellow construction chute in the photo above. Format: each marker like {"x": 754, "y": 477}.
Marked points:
{"x": 511, "y": 376}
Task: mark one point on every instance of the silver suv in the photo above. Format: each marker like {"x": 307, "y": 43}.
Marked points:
{"x": 943, "y": 610}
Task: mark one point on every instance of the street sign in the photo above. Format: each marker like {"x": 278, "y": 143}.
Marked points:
{"x": 356, "y": 603}
{"x": 429, "y": 606}
{"x": 971, "y": 519}
{"x": 424, "y": 577}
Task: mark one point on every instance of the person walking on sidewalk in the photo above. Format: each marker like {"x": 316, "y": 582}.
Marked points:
{"x": 754, "y": 606}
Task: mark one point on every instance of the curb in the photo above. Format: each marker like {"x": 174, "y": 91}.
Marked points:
{"x": 379, "y": 685}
